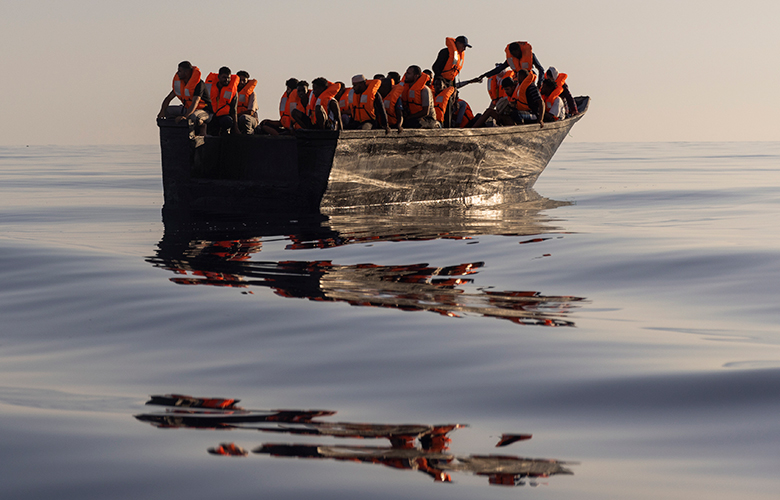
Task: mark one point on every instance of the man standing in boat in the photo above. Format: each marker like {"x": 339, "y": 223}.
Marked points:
{"x": 191, "y": 91}
{"x": 447, "y": 66}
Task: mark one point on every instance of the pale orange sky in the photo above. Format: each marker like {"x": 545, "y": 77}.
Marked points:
{"x": 95, "y": 72}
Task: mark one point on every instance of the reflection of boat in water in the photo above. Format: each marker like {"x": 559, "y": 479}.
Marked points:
{"x": 422, "y": 448}
{"x": 226, "y": 257}
{"x": 256, "y": 173}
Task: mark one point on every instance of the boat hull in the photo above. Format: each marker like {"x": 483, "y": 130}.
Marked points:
{"x": 330, "y": 170}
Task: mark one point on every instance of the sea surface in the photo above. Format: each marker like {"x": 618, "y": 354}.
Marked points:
{"x": 618, "y": 335}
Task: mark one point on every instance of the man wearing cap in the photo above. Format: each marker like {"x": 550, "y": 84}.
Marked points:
{"x": 449, "y": 62}
{"x": 366, "y": 110}
{"x": 447, "y": 66}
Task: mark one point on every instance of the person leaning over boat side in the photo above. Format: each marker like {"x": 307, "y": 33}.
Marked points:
{"x": 222, "y": 88}
{"x": 367, "y": 111}
{"x": 287, "y": 102}
{"x": 191, "y": 91}
{"x": 247, "y": 104}
{"x": 525, "y": 104}
{"x": 560, "y": 80}
{"x": 418, "y": 100}
{"x": 322, "y": 112}
{"x": 519, "y": 55}
{"x": 442, "y": 101}
{"x": 393, "y": 104}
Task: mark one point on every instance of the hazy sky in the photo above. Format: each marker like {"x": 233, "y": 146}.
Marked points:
{"x": 95, "y": 72}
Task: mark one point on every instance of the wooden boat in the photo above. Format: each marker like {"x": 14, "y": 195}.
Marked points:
{"x": 329, "y": 170}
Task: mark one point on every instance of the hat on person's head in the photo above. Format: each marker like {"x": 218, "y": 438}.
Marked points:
{"x": 463, "y": 40}
{"x": 551, "y": 73}
{"x": 358, "y": 79}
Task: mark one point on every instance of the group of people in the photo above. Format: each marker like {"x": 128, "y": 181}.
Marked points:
{"x": 225, "y": 103}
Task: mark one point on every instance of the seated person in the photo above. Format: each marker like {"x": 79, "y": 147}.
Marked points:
{"x": 418, "y": 100}
{"x": 393, "y": 104}
{"x": 223, "y": 91}
{"x": 555, "y": 109}
{"x": 322, "y": 112}
{"x": 366, "y": 109}
{"x": 560, "y": 80}
{"x": 525, "y": 104}
{"x": 191, "y": 91}
{"x": 289, "y": 101}
{"x": 247, "y": 104}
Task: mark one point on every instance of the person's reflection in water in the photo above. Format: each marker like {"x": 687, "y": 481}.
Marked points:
{"x": 422, "y": 448}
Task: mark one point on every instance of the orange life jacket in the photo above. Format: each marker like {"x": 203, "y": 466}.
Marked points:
{"x": 412, "y": 96}
{"x": 440, "y": 102}
{"x": 321, "y": 100}
{"x": 519, "y": 99}
{"x": 185, "y": 92}
{"x": 221, "y": 97}
{"x": 550, "y": 99}
{"x": 455, "y": 62}
{"x": 495, "y": 90}
{"x": 362, "y": 105}
{"x": 344, "y": 101}
{"x": 390, "y": 102}
{"x": 467, "y": 116}
{"x": 526, "y": 60}
{"x": 287, "y": 103}
{"x": 243, "y": 95}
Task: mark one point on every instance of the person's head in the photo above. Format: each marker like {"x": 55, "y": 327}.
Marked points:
{"x": 551, "y": 73}
{"x": 396, "y": 77}
{"x": 318, "y": 85}
{"x": 378, "y": 76}
{"x": 514, "y": 49}
{"x": 184, "y": 71}
{"x": 412, "y": 74}
{"x": 302, "y": 88}
{"x": 461, "y": 43}
{"x": 291, "y": 84}
{"x": 548, "y": 86}
{"x": 521, "y": 75}
{"x": 428, "y": 72}
{"x": 342, "y": 89}
{"x": 243, "y": 78}
{"x": 359, "y": 84}
{"x": 387, "y": 85}
{"x": 508, "y": 84}
{"x": 438, "y": 84}
{"x": 224, "y": 76}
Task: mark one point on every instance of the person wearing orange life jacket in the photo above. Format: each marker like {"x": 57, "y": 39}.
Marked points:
{"x": 418, "y": 100}
{"x": 464, "y": 118}
{"x": 562, "y": 88}
{"x": 288, "y": 102}
{"x": 519, "y": 55}
{"x": 494, "y": 88}
{"x": 191, "y": 91}
{"x": 246, "y": 107}
{"x": 346, "y": 113}
{"x": 449, "y": 61}
{"x": 442, "y": 101}
{"x": 393, "y": 104}
{"x": 525, "y": 104}
{"x": 367, "y": 110}
{"x": 223, "y": 90}
{"x": 322, "y": 111}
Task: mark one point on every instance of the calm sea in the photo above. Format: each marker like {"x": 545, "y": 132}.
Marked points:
{"x": 618, "y": 335}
